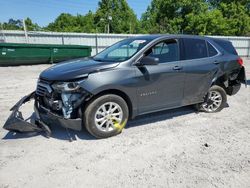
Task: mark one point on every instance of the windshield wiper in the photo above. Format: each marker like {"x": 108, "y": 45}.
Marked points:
{"x": 105, "y": 60}
{"x": 100, "y": 60}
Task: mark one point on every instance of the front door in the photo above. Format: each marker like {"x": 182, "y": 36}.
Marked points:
{"x": 161, "y": 86}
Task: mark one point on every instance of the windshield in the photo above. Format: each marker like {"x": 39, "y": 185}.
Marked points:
{"x": 121, "y": 51}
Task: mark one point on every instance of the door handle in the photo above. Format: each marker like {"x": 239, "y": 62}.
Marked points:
{"x": 177, "y": 68}
{"x": 216, "y": 62}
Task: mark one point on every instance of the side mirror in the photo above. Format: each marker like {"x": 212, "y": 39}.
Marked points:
{"x": 147, "y": 60}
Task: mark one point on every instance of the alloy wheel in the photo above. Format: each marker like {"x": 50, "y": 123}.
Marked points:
{"x": 107, "y": 115}
{"x": 213, "y": 102}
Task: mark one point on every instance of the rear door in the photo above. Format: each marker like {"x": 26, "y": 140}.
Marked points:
{"x": 200, "y": 65}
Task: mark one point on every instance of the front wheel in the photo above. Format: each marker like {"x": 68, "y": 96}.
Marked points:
{"x": 106, "y": 116}
{"x": 214, "y": 101}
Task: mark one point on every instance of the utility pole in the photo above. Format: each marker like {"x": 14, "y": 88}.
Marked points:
{"x": 109, "y": 19}
{"x": 130, "y": 28}
{"x": 25, "y": 31}
{"x": 4, "y": 39}
{"x": 96, "y": 35}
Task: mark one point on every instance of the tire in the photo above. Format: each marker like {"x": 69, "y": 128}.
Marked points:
{"x": 214, "y": 101}
{"x": 106, "y": 116}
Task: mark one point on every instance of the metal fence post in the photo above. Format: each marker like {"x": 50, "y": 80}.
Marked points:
{"x": 25, "y": 32}
{"x": 248, "y": 51}
{"x": 96, "y": 43}
{"x": 3, "y": 35}
{"x": 62, "y": 39}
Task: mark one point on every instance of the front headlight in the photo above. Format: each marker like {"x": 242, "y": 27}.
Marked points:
{"x": 66, "y": 86}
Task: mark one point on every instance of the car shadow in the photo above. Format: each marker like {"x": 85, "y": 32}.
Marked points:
{"x": 160, "y": 116}
{"x": 58, "y": 132}
{"x": 61, "y": 133}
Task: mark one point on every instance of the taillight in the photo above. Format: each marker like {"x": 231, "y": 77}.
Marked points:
{"x": 240, "y": 61}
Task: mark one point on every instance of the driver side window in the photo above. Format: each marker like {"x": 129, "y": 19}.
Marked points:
{"x": 166, "y": 51}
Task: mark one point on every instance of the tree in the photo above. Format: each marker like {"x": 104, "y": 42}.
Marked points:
{"x": 117, "y": 16}
{"x": 86, "y": 23}
{"x": 63, "y": 23}
{"x": 169, "y": 16}
{"x": 216, "y": 3}
{"x": 204, "y": 17}
{"x": 31, "y": 26}
{"x": 206, "y": 23}
{"x": 70, "y": 23}
{"x": 236, "y": 14}
{"x": 237, "y": 17}
{"x": 13, "y": 24}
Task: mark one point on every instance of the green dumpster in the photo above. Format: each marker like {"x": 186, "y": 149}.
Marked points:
{"x": 30, "y": 54}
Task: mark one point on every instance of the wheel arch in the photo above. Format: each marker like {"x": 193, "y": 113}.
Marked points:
{"x": 220, "y": 81}
{"x": 119, "y": 93}
{"x": 230, "y": 83}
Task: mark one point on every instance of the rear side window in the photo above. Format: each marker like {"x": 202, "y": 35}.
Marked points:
{"x": 227, "y": 46}
{"x": 211, "y": 50}
{"x": 195, "y": 48}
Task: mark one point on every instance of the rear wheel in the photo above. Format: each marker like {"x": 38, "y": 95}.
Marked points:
{"x": 214, "y": 101}
{"x": 106, "y": 116}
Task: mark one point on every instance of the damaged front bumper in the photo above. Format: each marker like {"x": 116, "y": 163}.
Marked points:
{"x": 44, "y": 119}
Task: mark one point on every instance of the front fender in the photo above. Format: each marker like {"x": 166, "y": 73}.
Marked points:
{"x": 122, "y": 80}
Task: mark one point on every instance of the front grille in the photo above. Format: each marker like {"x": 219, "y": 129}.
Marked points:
{"x": 43, "y": 87}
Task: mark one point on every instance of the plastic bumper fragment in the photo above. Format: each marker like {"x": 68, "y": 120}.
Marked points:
{"x": 44, "y": 119}
{"x": 17, "y": 123}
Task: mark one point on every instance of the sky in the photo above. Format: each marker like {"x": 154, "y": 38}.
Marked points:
{"x": 44, "y": 12}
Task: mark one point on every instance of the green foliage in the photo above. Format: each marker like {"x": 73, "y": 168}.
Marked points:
{"x": 123, "y": 19}
{"x": 30, "y": 26}
{"x": 12, "y": 25}
{"x": 63, "y": 23}
{"x": 206, "y": 23}
{"x": 70, "y": 23}
{"x": 202, "y": 17}
{"x": 237, "y": 18}
{"x": 18, "y": 25}
{"x": 197, "y": 17}
{"x": 168, "y": 16}
{"x": 117, "y": 15}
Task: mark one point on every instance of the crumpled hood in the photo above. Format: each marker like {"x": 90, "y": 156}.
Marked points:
{"x": 74, "y": 69}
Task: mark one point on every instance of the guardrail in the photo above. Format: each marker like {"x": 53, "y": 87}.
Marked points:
{"x": 98, "y": 42}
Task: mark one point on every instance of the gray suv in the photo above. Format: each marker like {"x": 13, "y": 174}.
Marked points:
{"x": 135, "y": 76}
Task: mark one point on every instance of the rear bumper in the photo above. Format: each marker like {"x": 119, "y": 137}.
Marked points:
{"x": 242, "y": 76}
{"x": 232, "y": 90}
{"x": 44, "y": 119}
{"x": 236, "y": 84}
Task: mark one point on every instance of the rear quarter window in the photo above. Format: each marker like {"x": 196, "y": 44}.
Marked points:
{"x": 227, "y": 46}
{"x": 195, "y": 48}
{"x": 211, "y": 50}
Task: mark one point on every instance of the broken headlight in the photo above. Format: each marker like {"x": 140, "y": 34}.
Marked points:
{"x": 66, "y": 86}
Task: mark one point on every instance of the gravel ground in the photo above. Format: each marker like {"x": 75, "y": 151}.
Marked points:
{"x": 174, "y": 148}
